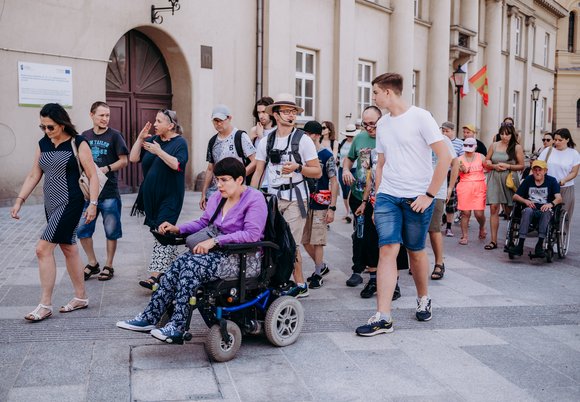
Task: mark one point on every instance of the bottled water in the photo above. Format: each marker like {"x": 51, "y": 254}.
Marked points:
{"x": 360, "y": 226}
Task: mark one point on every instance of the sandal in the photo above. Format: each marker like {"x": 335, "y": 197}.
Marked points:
{"x": 463, "y": 241}
{"x": 71, "y": 307}
{"x": 438, "y": 272}
{"x": 491, "y": 246}
{"x": 34, "y": 315}
{"x": 91, "y": 270}
{"x": 106, "y": 274}
{"x": 151, "y": 283}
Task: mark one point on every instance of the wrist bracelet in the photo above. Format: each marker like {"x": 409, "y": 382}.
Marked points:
{"x": 365, "y": 200}
{"x": 428, "y": 194}
{"x": 109, "y": 167}
{"x": 23, "y": 199}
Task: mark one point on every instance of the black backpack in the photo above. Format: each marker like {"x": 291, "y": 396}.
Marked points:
{"x": 278, "y": 231}
{"x": 294, "y": 149}
{"x": 237, "y": 143}
{"x": 341, "y": 143}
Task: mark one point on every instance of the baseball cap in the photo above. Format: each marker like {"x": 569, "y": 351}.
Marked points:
{"x": 221, "y": 112}
{"x": 470, "y": 127}
{"x": 469, "y": 143}
{"x": 539, "y": 163}
{"x": 313, "y": 127}
{"x": 448, "y": 125}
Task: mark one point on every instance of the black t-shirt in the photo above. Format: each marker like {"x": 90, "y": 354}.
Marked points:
{"x": 106, "y": 149}
{"x": 539, "y": 194}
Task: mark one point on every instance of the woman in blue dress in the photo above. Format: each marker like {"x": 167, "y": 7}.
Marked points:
{"x": 63, "y": 204}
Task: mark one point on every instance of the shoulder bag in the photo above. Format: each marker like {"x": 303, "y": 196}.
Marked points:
{"x": 84, "y": 182}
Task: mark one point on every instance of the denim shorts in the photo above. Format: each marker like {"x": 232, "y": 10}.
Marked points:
{"x": 111, "y": 210}
{"x": 397, "y": 223}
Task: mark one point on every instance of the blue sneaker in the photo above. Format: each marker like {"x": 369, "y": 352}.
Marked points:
{"x": 423, "y": 312}
{"x": 298, "y": 291}
{"x": 169, "y": 333}
{"x": 139, "y": 323}
{"x": 375, "y": 326}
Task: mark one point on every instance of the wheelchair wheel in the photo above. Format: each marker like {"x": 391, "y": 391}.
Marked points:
{"x": 563, "y": 240}
{"x": 284, "y": 320}
{"x": 221, "y": 351}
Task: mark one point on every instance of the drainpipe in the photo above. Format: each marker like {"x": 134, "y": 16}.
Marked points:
{"x": 259, "y": 48}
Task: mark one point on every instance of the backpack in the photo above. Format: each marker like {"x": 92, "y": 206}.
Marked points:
{"x": 278, "y": 231}
{"x": 340, "y": 144}
{"x": 237, "y": 143}
{"x": 294, "y": 149}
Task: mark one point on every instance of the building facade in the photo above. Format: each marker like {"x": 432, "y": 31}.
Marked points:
{"x": 324, "y": 51}
{"x": 567, "y": 112}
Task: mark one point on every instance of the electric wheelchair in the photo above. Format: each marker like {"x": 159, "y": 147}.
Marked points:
{"x": 234, "y": 307}
{"x": 557, "y": 237}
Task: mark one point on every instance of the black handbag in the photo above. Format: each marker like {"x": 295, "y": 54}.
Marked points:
{"x": 208, "y": 232}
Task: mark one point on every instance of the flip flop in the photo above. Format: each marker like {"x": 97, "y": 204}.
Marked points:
{"x": 491, "y": 246}
{"x": 463, "y": 241}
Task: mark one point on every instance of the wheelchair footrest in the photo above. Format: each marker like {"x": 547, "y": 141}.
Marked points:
{"x": 533, "y": 255}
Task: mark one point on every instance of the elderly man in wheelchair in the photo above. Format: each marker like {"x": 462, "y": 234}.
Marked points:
{"x": 537, "y": 199}
{"x": 227, "y": 274}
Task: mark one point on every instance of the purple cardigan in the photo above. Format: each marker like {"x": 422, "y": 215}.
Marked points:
{"x": 244, "y": 222}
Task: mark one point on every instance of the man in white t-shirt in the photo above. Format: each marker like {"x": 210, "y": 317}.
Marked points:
{"x": 286, "y": 170}
{"x": 223, "y": 145}
{"x": 405, "y": 186}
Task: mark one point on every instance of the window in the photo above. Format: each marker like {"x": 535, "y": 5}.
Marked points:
{"x": 364, "y": 86}
{"x": 546, "y": 49}
{"x": 516, "y": 106}
{"x": 518, "y": 36}
{"x": 417, "y": 8}
{"x": 543, "y": 111}
{"x": 306, "y": 81}
{"x": 414, "y": 88}
{"x": 571, "y": 31}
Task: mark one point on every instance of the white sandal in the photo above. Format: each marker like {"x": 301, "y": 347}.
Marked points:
{"x": 34, "y": 316}
{"x": 70, "y": 307}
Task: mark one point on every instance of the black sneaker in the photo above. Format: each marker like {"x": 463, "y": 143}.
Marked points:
{"x": 539, "y": 249}
{"x": 354, "y": 280}
{"x": 397, "y": 292}
{"x": 423, "y": 312}
{"x": 297, "y": 292}
{"x": 369, "y": 290}
{"x": 516, "y": 250}
{"x": 325, "y": 270}
{"x": 375, "y": 326}
{"x": 315, "y": 281}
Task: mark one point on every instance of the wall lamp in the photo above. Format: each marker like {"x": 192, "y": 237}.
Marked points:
{"x": 158, "y": 19}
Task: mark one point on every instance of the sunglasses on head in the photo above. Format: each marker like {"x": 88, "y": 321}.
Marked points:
{"x": 49, "y": 127}
{"x": 167, "y": 112}
{"x": 507, "y": 124}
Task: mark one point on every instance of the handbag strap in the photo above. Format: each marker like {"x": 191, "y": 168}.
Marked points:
{"x": 548, "y": 154}
{"x": 76, "y": 154}
{"x": 217, "y": 211}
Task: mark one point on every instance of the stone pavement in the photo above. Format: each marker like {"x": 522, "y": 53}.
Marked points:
{"x": 501, "y": 331}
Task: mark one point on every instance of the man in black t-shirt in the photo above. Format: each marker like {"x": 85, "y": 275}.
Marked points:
{"x": 539, "y": 193}
{"x": 110, "y": 154}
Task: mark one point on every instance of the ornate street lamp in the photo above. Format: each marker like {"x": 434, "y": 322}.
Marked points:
{"x": 459, "y": 79}
{"x": 535, "y": 97}
{"x": 158, "y": 19}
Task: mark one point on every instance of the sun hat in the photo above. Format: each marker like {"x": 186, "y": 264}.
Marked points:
{"x": 284, "y": 99}
{"x": 350, "y": 130}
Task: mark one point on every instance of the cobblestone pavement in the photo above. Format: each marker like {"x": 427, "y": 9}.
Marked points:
{"x": 501, "y": 331}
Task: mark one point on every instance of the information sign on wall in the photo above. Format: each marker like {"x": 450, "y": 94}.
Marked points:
{"x": 39, "y": 84}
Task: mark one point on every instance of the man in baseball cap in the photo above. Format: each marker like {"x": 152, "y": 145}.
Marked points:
{"x": 469, "y": 131}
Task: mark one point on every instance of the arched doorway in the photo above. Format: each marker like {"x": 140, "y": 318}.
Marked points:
{"x": 138, "y": 85}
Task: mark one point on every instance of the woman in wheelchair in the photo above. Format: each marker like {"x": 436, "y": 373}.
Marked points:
{"x": 539, "y": 193}
{"x": 242, "y": 219}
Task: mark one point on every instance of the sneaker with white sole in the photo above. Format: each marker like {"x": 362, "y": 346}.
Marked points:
{"x": 449, "y": 233}
{"x": 423, "y": 312}
{"x": 169, "y": 334}
{"x": 139, "y": 324}
{"x": 298, "y": 291}
{"x": 375, "y": 326}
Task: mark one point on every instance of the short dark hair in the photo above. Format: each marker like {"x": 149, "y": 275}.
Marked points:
{"x": 263, "y": 101}
{"x": 392, "y": 81}
{"x": 375, "y": 108}
{"x": 565, "y": 134}
{"x": 56, "y": 113}
{"x": 95, "y": 105}
{"x": 230, "y": 167}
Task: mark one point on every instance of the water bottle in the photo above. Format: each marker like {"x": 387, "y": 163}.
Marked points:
{"x": 360, "y": 226}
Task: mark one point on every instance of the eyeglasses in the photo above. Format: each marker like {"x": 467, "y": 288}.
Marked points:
{"x": 369, "y": 125}
{"x": 507, "y": 124}
{"x": 167, "y": 112}
{"x": 49, "y": 127}
{"x": 546, "y": 139}
{"x": 288, "y": 112}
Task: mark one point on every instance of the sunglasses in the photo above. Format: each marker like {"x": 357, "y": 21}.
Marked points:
{"x": 50, "y": 128}
{"x": 546, "y": 139}
{"x": 507, "y": 124}
{"x": 324, "y": 127}
{"x": 167, "y": 112}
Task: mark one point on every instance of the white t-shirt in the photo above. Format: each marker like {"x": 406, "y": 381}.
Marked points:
{"x": 307, "y": 151}
{"x": 560, "y": 163}
{"x": 405, "y": 141}
{"x": 442, "y": 193}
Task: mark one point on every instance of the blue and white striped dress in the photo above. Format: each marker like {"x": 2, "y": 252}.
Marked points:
{"x": 63, "y": 199}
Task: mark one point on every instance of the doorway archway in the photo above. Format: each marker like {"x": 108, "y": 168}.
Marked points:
{"x": 138, "y": 84}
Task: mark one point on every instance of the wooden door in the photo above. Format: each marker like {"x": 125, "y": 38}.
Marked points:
{"x": 138, "y": 85}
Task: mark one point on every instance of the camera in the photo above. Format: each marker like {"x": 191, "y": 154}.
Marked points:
{"x": 275, "y": 155}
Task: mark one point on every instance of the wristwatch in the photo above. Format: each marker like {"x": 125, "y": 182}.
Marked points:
{"x": 216, "y": 242}
{"x": 95, "y": 203}
{"x": 299, "y": 168}
{"x": 332, "y": 208}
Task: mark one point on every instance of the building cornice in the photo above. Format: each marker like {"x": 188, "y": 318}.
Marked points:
{"x": 552, "y": 6}
{"x": 376, "y": 6}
